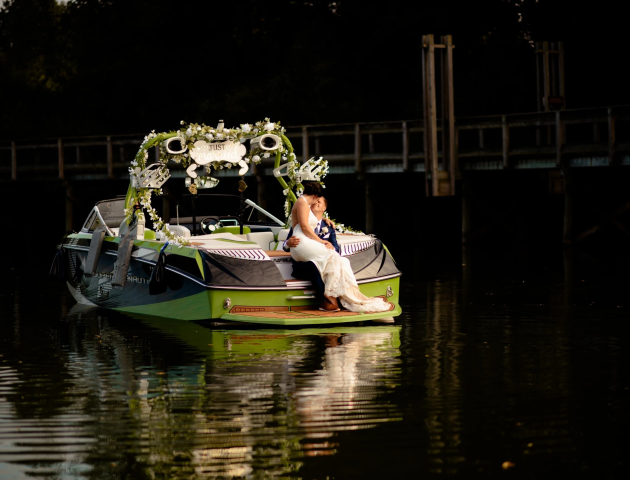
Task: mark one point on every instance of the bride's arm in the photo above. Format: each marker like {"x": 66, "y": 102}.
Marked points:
{"x": 302, "y": 216}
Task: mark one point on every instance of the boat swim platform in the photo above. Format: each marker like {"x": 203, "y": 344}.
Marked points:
{"x": 303, "y": 315}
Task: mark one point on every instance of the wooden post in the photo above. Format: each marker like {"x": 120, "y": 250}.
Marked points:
{"x": 371, "y": 143}
{"x": 449, "y": 150}
{"x": 13, "y": 161}
{"x": 305, "y": 143}
{"x": 122, "y": 153}
{"x": 505, "y": 134}
{"x": 466, "y": 208}
{"x": 561, "y": 74}
{"x": 61, "y": 158}
{"x": 568, "y": 207}
{"x": 560, "y": 138}
{"x": 425, "y": 128}
{"x": 546, "y": 84}
{"x": 430, "y": 115}
{"x": 358, "y": 167}
{"x": 318, "y": 149}
{"x": 546, "y": 75}
{"x": 612, "y": 140}
{"x": 110, "y": 158}
{"x": 539, "y": 99}
{"x": 405, "y": 139}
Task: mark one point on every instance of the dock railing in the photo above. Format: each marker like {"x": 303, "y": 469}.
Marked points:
{"x": 549, "y": 140}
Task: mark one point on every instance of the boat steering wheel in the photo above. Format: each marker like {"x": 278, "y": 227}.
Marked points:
{"x": 209, "y": 224}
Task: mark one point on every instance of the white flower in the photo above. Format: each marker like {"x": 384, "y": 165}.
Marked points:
{"x": 269, "y": 126}
{"x": 219, "y": 136}
{"x": 285, "y": 192}
{"x": 181, "y": 122}
{"x": 325, "y": 230}
{"x": 199, "y": 129}
{"x": 266, "y": 155}
{"x": 256, "y": 130}
{"x": 189, "y": 132}
{"x": 246, "y": 128}
{"x": 209, "y": 136}
{"x": 256, "y": 158}
{"x": 226, "y": 131}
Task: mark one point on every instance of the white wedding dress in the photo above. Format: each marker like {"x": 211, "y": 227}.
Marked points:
{"x": 336, "y": 272}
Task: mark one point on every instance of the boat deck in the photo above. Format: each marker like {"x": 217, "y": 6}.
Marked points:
{"x": 301, "y": 315}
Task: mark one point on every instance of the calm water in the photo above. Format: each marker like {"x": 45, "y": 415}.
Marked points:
{"x": 484, "y": 367}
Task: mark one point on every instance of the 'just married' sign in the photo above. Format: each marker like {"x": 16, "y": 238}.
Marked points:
{"x": 203, "y": 152}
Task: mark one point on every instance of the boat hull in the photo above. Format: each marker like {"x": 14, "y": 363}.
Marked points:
{"x": 188, "y": 296}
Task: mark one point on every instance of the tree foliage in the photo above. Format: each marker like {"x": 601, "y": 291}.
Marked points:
{"x": 96, "y": 66}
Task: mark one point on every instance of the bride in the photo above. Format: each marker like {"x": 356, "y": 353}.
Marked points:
{"x": 335, "y": 270}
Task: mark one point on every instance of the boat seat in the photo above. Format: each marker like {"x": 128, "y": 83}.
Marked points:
{"x": 233, "y": 230}
{"x": 180, "y": 230}
{"x": 282, "y": 234}
{"x": 263, "y": 239}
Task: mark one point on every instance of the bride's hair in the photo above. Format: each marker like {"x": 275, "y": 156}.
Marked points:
{"x": 312, "y": 188}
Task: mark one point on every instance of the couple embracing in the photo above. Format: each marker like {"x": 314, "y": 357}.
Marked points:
{"x": 340, "y": 286}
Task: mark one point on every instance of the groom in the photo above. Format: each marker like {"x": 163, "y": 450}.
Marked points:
{"x": 325, "y": 231}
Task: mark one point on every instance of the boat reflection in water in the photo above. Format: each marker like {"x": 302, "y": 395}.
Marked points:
{"x": 219, "y": 402}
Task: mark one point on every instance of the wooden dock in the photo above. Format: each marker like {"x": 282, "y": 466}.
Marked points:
{"x": 555, "y": 141}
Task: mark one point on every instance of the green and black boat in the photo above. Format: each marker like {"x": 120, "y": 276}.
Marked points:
{"x": 208, "y": 266}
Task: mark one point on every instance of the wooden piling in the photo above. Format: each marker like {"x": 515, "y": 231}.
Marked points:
{"x": 546, "y": 82}
{"x": 466, "y": 209}
{"x": 561, "y": 74}
{"x": 61, "y": 158}
{"x": 449, "y": 150}
{"x": 568, "y": 207}
{"x": 560, "y": 138}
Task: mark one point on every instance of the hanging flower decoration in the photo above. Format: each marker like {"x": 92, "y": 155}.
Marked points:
{"x": 146, "y": 180}
{"x": 315, "y": 169}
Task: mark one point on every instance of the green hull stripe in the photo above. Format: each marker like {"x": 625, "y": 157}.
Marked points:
{"x": 194, "y": 307}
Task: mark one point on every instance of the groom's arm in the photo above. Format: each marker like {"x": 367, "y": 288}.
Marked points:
{"x": 333, "y": 240}
{"x": 285, "y": 247}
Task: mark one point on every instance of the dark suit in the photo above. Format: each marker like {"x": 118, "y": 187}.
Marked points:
{"x": 308, "y": 270}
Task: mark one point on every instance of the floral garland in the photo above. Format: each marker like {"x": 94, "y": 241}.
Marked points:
{"x": 341, "y": 228}
{"x": 191, "y": 133}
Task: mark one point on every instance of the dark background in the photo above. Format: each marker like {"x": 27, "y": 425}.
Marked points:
{"x": 127, "y": 66}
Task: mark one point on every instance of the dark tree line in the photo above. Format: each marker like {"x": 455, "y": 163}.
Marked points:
{"x": 116, "y": 66}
